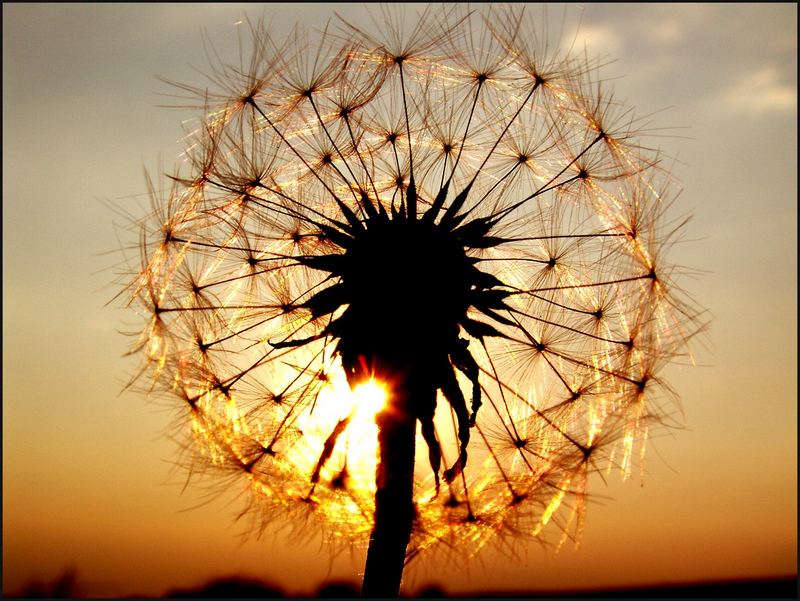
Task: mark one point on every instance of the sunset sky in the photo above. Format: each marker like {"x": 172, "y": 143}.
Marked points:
{"x": 88, "y": 477}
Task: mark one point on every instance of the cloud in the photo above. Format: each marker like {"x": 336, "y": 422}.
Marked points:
{"x": 599, "y": 40}
{"x": 670, "y": 25}
{"x": 668, "y": 32}
{"x": 760, "y": 91}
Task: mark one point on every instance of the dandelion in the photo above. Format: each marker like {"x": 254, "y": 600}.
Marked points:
{"x": 443, "y": 243}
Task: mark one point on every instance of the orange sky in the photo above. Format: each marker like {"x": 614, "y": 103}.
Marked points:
{"x": 87, "y": 480}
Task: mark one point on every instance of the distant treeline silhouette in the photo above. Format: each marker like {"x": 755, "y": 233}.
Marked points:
{"x": 67, "y": 585}
{"x": 778, "y": 588}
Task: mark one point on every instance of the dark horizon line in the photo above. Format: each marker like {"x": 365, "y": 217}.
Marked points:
{"x": 231, "y": 587}
{"x": 735, "y": 588}
{"x": 768, "y": 587}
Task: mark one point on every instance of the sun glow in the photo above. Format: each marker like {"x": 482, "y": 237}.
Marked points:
{"x": 368, "y": 399}
{"x": 351, "y": 412}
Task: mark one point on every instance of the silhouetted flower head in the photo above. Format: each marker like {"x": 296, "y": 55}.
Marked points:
{"x": 457, "y": 204}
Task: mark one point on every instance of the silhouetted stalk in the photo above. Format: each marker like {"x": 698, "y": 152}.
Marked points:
{"x": 394, "y": 509}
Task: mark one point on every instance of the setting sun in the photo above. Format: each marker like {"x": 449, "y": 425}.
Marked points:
{"x": 351, "y": 456}
{"x": 368, "y": 399}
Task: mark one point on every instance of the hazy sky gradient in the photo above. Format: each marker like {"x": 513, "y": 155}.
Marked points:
{"x": 87, "y": 478}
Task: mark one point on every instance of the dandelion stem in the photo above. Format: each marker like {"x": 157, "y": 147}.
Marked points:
{"x": 394, "y": 509}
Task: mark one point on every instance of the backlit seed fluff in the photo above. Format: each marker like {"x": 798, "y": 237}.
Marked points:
{"x": 457, "y": 193}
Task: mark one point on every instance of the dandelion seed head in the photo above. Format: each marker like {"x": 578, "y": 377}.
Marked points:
{"x": 456, "y": 203}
